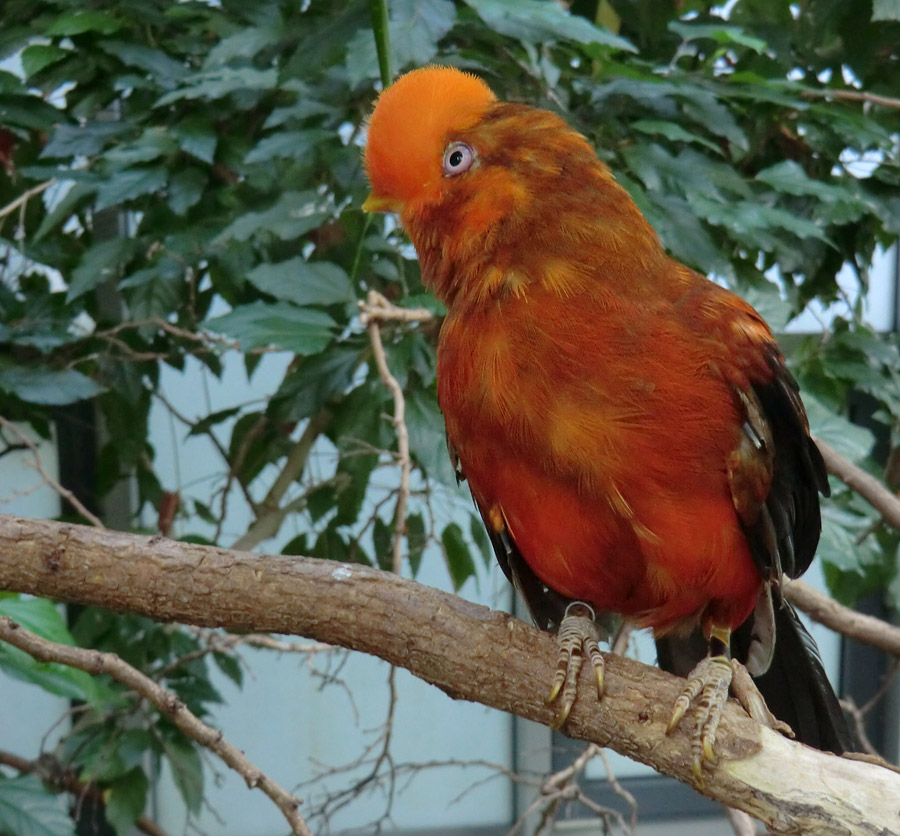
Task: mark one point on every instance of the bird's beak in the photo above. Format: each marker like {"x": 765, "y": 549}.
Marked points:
{"x": 377, "y": 203}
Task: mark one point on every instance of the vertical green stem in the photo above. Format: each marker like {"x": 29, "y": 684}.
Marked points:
{"x": 381, "y": 31}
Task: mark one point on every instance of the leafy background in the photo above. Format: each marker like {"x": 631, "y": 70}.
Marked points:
{"x": 185, "y": 182}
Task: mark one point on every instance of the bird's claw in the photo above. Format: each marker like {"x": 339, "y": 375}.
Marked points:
{"x": 577, "y": 639}
{"x": 708, "y": 685}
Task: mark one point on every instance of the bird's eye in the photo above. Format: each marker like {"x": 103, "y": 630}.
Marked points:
{"x": 458, "y": 158}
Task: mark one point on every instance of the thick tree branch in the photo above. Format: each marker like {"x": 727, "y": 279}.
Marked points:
{"x": 468, "y": 651}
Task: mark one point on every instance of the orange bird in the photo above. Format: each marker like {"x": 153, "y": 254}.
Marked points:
{"x": 628, "y": 428}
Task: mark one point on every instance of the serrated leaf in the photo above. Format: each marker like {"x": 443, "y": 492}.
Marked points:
{"x": 382, "y": 541}
{"x": 790, "y": 178}
{"x": 69, "y": 141}
{"x": 314, "y": 380}
{"x": 281, "y": 325}
{"x": 416, "y": 540}
{"x": 187, "y": 771}
{"x": 38, "y": 56}
{"x": 48, "y": 387}
{"x": 536, "y": 21}
{"x": 230, "y": 665}
{"x": 427, "y": 437}
{"x": 303, "y": 282}
{"x": 456, "y": 552}
{"x": 99, "y": 264}
{"x": 28, "y": 809}
{"x": 292, "y": 215}
{"x": 125, "y": 799}
{"x": 415, "y": 28}
{"x": 43, "y": 618}
{"x": 216, "y": 84}
{"x": 206, "y": 424}
{"x": 480, "y": 538}
{"x": 850, "y": 440}
{"x": 129, "y": 184}
{"x": 77, "y": 23}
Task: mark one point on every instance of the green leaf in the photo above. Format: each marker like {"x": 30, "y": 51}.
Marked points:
{"x": 206, "y": 424}
{"x": 292, "y": 215}
{"x": 282, "y": 325}
{"x": 885, "y": 10}
{"x": 313, "y": 381}
{"x": 43, "y": 618}
{"x": 185, "y": 189}
{"x": 48, "y": 387}
{"x": 416, "y": 540}
{"x": 850, "y": 440}
{"x": 382, "y": 540}
{"x": 99, "y": 264}
{"x": 427, "y": 437}
{"x": 129, "y": 184}
{"x": 536, "y": 21}
{"x": 197, "y": 136}
{"x": 125, "y": 799}
{"x": 28, "y": 809}
{"x": 480, "y": 538}
{"x": 415, "y": 28}
{"x": 38, "y": 56}
{"x": 77, "y": 23}
{"x": 217, "y": 84}
{"x": 790, "y": 178}
{"x": 674, "y": 132}
{"x": 290, "y": 144}
{"x": 187, "y": 771}
{"x": 70, "y": 141}
{"x": 456, "y": 552}
{"x": 304, "y": 282}
{"x": 718, "y": 33}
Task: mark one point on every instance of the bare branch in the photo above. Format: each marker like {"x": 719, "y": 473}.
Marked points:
{"x": 466, "y": 650}
{"x": 866, "y": 485}
{"x": 399, "y": 422}
{"x": 94, "y": 662}
{"x": 864, "y": 628}
{"x": 38, "y": 465}
{"x": 377, "y": 309}
{"x": 854, "y": 96}
{"x": 23, "y": 198}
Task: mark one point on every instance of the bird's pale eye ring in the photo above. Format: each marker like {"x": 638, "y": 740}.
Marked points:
{"x": 458, "y": 158}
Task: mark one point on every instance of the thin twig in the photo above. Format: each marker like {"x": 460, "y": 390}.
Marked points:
{"x": 378, "y": 309}
{"x": 23, "y": 198}
{"x": 375, "y": 301}
{"x": 853, "y": 96}
{"x": 94, "y": 662}
{"x": 38, "y": 465}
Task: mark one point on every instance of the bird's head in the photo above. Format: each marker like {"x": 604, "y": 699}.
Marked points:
{"x": 411, "y": 151}
{"x": 495, "y": 196}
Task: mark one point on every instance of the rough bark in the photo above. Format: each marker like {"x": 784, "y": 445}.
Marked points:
{"x": 468, "y": 651}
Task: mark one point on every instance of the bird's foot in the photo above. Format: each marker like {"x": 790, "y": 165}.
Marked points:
{"x": 748, "y": 695}
{"x": 708, "y": 685}
{"x": 578, "y": 639}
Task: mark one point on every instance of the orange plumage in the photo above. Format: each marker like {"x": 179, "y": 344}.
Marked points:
{"x": 627, "y": 427}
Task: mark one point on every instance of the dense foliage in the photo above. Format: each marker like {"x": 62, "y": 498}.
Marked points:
{"x": 195, "y": 188}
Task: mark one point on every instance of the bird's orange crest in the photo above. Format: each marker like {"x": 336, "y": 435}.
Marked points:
{"x": 412, "y": 121}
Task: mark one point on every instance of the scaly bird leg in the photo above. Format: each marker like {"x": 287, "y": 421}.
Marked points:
{"x": 710, "y": 681}
{"x": 577, "y": 638}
